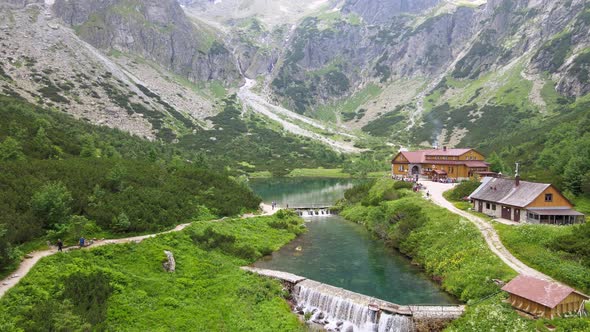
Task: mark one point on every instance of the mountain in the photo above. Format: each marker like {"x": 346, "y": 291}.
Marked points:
{"x": 349, "y": 74}
{"x": 156, "y": 30}
{"x": 416, "y": 64}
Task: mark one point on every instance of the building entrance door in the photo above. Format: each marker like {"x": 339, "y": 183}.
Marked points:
{"x": 506, "y": 213}
{"x": 415, "y": 170}
{"x": 480, "y": 207}
{"x": 517, "y": 215}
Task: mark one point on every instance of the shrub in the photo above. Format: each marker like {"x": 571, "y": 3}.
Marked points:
{"x": 403, "y": 185}
{"x": 464, "y": 189}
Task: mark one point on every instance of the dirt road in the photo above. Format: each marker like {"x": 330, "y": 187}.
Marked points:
{"x": 27, "y": 264}
{"x": 436, "y": 191}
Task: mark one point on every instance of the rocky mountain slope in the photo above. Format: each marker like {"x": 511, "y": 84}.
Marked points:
{"x": 47, "y": 63}
{"x": 518, "y": 57}
{"x": 157, "y": 30}
{"x": 451, "y": 72}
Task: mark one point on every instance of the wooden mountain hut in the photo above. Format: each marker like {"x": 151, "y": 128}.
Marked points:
{"x": 542, "y": 298}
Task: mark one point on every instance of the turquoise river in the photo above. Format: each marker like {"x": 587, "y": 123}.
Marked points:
{"x": 341, "y": 253}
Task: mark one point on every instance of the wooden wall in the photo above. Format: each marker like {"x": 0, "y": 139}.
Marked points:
{"x": 558, "y": 199}
{"x": 472, "y": 153}
{"x": 571, "y": 303}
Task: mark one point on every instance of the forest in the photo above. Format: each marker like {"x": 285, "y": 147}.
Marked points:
{"x": 63, "y": 178}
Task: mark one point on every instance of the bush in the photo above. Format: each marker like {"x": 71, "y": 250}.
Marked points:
{"x": 405, "y": 218}
{"x": 358, "y": 192}
{"x": 463, "y": 189}
{"x": 403, "y": 185}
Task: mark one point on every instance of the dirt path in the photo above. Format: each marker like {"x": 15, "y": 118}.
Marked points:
{"x": 28, "y": 263}
{"x": 489, "y": 233}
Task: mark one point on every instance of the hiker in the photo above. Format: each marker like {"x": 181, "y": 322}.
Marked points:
{"x": 82, "y": 240}
{"x": 59, "y": 244}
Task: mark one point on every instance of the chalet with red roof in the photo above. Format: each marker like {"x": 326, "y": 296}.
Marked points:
{"x": 437, "y": 164}
{"x": 542, "y": 298}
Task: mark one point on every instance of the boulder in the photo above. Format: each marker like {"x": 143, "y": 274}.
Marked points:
{"x": 169, "y": 263}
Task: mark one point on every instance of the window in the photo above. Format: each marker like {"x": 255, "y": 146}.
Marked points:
{"x": 487, "y": 206}
{"x": 494, "y": 207}
{"x": 401, "y": 168}
{"x": 548, "y": 197}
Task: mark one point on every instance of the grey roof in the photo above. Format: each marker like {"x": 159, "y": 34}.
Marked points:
{"x": 505, "y": 191}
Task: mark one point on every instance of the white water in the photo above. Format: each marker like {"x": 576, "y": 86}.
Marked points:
{"x": 315, "y": 213}
{"x": 395, "y": 323}
{"x": 341, "y": 310}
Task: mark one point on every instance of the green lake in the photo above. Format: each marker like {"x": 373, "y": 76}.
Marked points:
{"x": 341, "y": 253}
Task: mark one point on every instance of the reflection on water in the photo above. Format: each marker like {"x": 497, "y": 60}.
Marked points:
{"x": 301, "y": 191}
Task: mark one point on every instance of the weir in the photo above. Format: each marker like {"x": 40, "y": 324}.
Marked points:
{"x": 338, "y": 309}
{"x": 318, "y": 210}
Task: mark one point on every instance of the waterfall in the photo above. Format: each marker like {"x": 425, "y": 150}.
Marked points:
{"x": 395, "y": 323}
{"x": 314, "y": 212}
{"x": 341, "y": 310}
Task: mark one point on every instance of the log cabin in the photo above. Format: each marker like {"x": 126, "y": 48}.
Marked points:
{"x": 542, "y": 298}
{"x": 440, "y": 164}
{"x": 523, "y": 201}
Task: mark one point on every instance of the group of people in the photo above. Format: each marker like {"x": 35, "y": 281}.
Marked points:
{"x": 274, "y": 205}
{"x": 82, "y": 243}
{"x": 446, "y": 180}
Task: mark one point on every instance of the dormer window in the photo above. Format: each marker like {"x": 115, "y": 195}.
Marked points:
{"x": 548, "y": 197}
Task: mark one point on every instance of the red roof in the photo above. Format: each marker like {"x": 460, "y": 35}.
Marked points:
{"x": 547, "y": 293}
{"x": 419, "y": 157}
{"x": 439, "y": 172}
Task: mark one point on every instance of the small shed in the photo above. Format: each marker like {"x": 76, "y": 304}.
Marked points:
{"x": 542, "y": 298}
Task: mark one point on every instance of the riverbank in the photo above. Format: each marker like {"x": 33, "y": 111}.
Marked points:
{"x": 451, "y": 250}
{"x": 130, "y": 290}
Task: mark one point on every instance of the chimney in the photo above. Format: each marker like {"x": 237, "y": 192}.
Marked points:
{"x": 444, "y": 148}
{"x": 517, "y": 180}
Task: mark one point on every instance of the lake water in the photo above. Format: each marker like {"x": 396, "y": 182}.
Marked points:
{"x": 341, "y": 253}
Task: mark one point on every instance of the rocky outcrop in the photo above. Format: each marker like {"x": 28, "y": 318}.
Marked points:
{"x": 18, "y": 3}
{"x": 382, "y": 11}
{"x": 430, "y": 38}
{"x": 157, "y": 30}
{"x": 169, "y": 263}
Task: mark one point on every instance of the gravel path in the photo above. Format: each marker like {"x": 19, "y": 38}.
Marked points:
{"x": 288, "y": 119}
{"x": 28, "y": 263}
{"x": 489, "y": 233}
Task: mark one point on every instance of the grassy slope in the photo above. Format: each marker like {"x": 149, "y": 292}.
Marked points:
{"x": 465, "y": 265}
{"x": 530, "y": 243}
{"x": 454, "y": 250}
{"x": 207, "y": 292}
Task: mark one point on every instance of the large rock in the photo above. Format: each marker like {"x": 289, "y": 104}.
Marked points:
{"x": 169, "y": 263}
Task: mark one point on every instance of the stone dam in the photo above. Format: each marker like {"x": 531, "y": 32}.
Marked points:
{"x": 337, "y": 309}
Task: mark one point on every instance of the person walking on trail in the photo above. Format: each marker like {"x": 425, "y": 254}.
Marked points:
{"x": 59, "y": 245}
{"x": 82, "y": 241}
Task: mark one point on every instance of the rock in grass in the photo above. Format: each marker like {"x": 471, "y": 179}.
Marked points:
{"x": 169, "y": 263}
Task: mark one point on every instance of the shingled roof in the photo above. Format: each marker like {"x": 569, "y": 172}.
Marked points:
{"x": 419, "y": 157}
{"x": 505, "y": 191}
{"x": 547, "y": 293}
